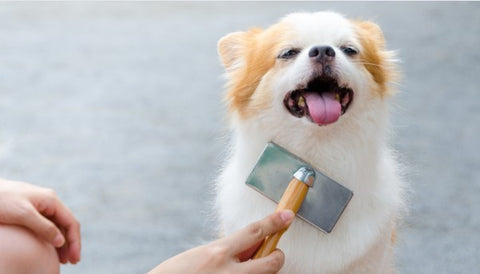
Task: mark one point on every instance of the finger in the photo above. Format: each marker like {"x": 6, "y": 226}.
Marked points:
{"x": 75, "y": 245}
{"x": 252, "y": 234}
{"x": 56, "y": 211}
{"x": 265, "y": 265}
{"x": 248, "y": 253}
{"x": 63, "y": 251}
{"x": 71, "y": 229}
{"x": 41, "y": 226}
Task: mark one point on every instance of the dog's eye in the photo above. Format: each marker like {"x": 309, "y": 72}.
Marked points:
{"x": 288, "y": 53}
{"x": 349, "y": 50}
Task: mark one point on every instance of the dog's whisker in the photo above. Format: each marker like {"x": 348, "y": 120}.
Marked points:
{"x": 366, "y": 63}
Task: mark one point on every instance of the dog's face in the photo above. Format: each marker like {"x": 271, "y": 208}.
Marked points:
{"x": 315, "y": 67}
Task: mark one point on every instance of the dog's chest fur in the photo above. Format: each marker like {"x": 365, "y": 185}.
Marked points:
{"x": 358, "y": 158}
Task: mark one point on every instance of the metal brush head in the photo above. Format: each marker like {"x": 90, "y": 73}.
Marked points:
{"x": 325, "y": 201}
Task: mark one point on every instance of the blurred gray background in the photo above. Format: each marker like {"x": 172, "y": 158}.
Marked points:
{"x": 108, "y": 103}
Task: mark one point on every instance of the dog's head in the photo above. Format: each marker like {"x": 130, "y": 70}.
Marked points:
{"x": 315, "y": 67}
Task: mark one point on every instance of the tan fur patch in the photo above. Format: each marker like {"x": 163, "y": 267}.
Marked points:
{"x": 251, "y": 55}
{"x": 374, "y": 56}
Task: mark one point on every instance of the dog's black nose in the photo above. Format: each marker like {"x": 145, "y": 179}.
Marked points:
{"x": 321, "y": 52}
{"x": 324, "y": 56}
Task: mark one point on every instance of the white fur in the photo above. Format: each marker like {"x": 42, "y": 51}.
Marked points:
{"x": 354, "y": 151}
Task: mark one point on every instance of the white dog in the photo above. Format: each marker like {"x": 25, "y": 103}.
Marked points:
{"x": 318, "y": 85}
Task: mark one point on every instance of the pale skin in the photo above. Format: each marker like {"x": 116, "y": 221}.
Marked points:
{"x": 232, "y": 254}
{"x": 37, "y": 231}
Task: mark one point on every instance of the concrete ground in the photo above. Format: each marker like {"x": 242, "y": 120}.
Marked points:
{"x": 117, "y": 106}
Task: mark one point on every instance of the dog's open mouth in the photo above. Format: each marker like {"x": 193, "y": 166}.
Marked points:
{"x": 323, "y": 101}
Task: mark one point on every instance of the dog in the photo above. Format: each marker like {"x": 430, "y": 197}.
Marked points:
{"x": 317, "y": 84}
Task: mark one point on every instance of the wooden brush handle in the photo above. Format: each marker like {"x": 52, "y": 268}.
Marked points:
{"x": 292, "y": 199}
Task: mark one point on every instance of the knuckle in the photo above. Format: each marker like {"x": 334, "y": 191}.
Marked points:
{"x": 256, "y": 230}
{"x": 275, "y": 263}
{"x": 23, "y": 212}
{"x": 216, "y": 254}
{"x": 50, "y": 193}
{"x": 74, "y": 224}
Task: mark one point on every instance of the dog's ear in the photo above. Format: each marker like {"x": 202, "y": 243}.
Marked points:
{"x": 234, "y": 47}
{"x": 371, "y": 30}
{"x": 378, "y": 61}
{"x": 230, "y": 49}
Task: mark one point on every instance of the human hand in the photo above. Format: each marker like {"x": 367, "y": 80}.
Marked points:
{"x": 231, "y": 254}
{"x": 40, "y": 210}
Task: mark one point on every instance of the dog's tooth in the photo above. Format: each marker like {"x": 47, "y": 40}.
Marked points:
{"x": 337, "y": 97}
{"x": 301, "y": 101}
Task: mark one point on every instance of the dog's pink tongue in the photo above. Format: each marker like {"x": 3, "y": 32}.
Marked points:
{"x": 324, "y": 109}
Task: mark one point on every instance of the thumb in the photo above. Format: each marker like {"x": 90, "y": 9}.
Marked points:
{"x": 44, "y": 228}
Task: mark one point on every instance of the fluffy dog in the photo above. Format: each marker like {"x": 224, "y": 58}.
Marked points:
{"x": 317, "y": 84}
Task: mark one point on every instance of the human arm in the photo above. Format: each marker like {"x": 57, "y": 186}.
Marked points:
{"x": 231, "y": 254}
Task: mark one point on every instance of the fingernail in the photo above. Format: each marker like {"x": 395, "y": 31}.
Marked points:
{"x": 59, "y": 240}
{"x": 287, "y": 215}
